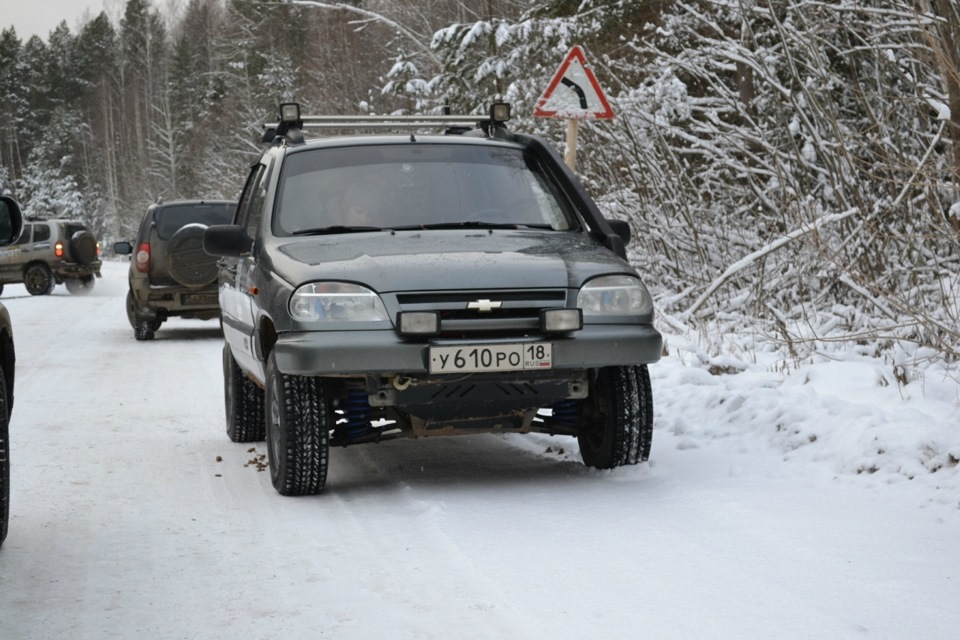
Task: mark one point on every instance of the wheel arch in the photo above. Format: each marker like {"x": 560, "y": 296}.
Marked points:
{"x": 32, "y": 263}
{"x": 266, "y": 338}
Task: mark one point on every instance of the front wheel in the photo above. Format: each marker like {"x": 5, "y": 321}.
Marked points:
{"x": 80, "y": 286}
{"x": 38, "y": 280}
{"x": 298, "y": 432}
{"x": 617, "y": 418}
{"x": 244, "y": 402}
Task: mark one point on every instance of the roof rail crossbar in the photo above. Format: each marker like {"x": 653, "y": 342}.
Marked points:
{"x": 292, "y": 122}
{"x": 341, "y": 122}
{"x": 382, "y": 125}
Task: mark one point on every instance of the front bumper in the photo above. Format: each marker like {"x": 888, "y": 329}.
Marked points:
{"x": 322, "y": 353}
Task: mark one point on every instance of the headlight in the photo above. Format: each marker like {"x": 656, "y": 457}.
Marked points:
{"x": 615, "y": 296}
{"x": 336, "y": 302}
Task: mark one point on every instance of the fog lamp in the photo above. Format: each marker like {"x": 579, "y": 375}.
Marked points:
{"x": 500, "y": 111}
{"x": 418, "y": 323}
{"x": 561, "y": 320}
{"x": 289, "y": 112}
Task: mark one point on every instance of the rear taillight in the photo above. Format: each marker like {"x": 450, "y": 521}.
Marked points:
{"x": 98, "y": 249}
{"x": 58, "y": 249}
{"x": 143, "y": 257}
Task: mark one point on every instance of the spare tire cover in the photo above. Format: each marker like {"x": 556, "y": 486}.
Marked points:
{"x": 190, "y": 265}
{"x": 83, "y": 247}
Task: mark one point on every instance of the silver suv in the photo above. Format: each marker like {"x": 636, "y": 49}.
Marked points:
{"x": 170, "y": 274}
{"x": 396, "y": 286}
{"x": 52, "y": 252}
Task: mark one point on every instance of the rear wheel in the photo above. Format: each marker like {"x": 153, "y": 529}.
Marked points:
{"x": 298, "y": 432}
{"x": 617, "y": 418}
{"x": 244, "y": 402}
{"x": 144, "y": 330}
{"x": 80, "y": 286}
{"x": 4, "y": 459}
{"x": 38, "y": 280}
{"x": 131, "y": 310}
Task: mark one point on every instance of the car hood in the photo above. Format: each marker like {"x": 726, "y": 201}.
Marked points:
{"x": 436, "y": 260}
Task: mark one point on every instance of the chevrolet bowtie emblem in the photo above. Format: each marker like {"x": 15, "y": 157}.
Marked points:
{"x": 484, "y": 306}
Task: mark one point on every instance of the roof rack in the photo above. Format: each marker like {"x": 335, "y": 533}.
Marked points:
{"x": 292, "y": 123}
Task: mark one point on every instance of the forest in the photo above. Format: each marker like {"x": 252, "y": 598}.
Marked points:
{"x": 790, "y": 169}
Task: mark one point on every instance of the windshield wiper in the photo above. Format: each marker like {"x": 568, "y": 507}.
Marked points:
{"x": 472, "y": 224}
{"x": 337, "y": 228}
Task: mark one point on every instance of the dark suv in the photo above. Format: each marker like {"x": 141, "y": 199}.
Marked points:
{"x": 170, "y": 273}
{"x": 52, "y": 252}
{"x": 411, "y": 285}
{"x": 10, "y": 226}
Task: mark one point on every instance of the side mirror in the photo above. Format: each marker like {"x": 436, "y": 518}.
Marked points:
{"x": 227, "y": 240}
{"x": 621, "y": 228}
{"x": 11, "y": 220}
{"x": 122, "y": 248}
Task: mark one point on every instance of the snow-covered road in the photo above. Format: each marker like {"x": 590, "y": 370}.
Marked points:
{"x": 133, "y": 515}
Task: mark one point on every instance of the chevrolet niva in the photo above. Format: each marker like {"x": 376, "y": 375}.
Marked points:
{"x": 458, "y": 281}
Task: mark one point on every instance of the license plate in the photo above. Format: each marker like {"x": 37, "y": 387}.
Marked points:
{"x": 491, "y": 357}
{"x": 206, "y": 299}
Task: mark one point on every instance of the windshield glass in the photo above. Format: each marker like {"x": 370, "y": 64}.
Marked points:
{"x": 170, "y": 218}
{"x": 415, "y": 185}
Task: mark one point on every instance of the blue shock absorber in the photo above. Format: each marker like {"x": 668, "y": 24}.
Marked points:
{"x": 566, "y": 411}
{"x": 357, "y": 412}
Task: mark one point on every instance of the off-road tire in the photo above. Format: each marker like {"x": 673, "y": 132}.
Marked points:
{"x": 190, "y": 265}
{"x": 4, "y": 458}
{"x": 144, "y": 330}
{"x": 80, "y": 286}
{"x": 38, "y": 279}
{"x": 617, "y": 418}
{"x": 131, "y": 310}
{"x": 83, "y": 247}
{"x": 244, "y": 402}
{"x": 298, "y": 432}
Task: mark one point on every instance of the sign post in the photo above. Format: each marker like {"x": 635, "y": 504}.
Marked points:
{"x": 574, "y": 94}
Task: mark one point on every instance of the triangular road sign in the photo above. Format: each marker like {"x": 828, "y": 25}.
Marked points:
{"x": 574, "y": 92}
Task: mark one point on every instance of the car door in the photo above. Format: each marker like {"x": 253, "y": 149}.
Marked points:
{"x": 13, "y": 257}
{"x": 236, "y": 299}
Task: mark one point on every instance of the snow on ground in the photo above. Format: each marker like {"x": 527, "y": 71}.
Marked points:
{"x": 783, "y": 499}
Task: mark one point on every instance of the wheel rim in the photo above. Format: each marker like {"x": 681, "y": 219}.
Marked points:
{"x": 274, "y": 447}
{"x": 229, "y": 393}
{"x": 595, "y": 437}
{"x": 37, "y": 280}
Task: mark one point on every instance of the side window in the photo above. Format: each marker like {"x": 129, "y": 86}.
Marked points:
{"x": 26, "y": 234}
{"x": 41, "y": 232}
{"x": 250, "y": 207}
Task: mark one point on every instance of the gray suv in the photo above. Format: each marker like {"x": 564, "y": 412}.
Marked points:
{"x": 11, "y": 223}
{"x": 425, "y": 284}
{"x": 52, "y": 252}
{"x": 170, "y": 274}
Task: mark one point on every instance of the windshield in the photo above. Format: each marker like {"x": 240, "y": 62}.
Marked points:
{"x": 415, "y": 186}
